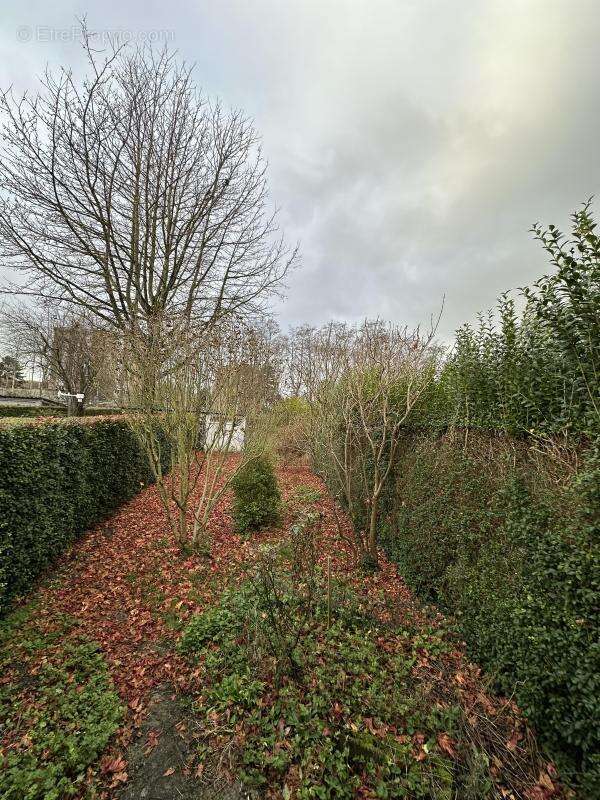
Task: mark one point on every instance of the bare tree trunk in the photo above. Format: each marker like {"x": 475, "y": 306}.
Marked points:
{"x": 75, "y": 407}
{"x": 183, "y": 527}
{"x": 372, "y": 553}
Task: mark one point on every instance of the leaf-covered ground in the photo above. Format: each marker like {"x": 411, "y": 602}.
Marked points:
{"x": 106, "y": 628}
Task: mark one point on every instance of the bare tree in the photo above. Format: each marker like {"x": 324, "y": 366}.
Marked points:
{"x": 315, "y": 357}
{"x": 70, "y": 350}
{"x": 15, "y": 359}
{"x": 362, "y": 384}
{"x": 130, "y": 195}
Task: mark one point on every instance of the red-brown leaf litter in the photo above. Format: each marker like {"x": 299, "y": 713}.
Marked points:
{"x": 127, "y": 579}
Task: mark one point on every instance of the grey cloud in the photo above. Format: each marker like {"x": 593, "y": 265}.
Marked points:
{"x": 412, "y": 143}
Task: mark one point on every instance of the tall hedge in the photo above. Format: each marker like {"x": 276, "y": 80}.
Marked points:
{"x": 538, "y": 371}
{"x": 58, "y": 478}
{"x": 495, "y": 512}
{"x": 493, "y": 508}
{"x": 508, "y": 540}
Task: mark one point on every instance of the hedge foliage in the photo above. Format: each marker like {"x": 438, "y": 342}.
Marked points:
{"x": 51, "y": 411}
{"x": 495, "y": 509}
{"x": 497, "y": 534}
{"x": 58, "y": 478}
{"x": 492, "y": 509}
{"x": 538, "y": 371}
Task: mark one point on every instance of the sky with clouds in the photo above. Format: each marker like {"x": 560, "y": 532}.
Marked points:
{"x": 412, "y": 143}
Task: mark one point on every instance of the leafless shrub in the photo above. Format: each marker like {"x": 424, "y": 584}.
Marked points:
{"x": 362, "y": 384}
{"x": 196, "y": 394}
{"x": 287, "y": 588}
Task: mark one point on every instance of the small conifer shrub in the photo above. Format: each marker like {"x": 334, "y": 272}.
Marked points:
{"x": 257, "y": 499}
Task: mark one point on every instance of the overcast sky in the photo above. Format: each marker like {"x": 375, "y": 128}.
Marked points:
{"x": 411, "y": 143}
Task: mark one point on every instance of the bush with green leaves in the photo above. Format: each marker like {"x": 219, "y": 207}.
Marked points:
{"x": 257, "y": 499}
{"x": 65, "y": 709}
{"x": 58, "y": 478}
{"x": 538, "y": 371}
{"x": 497, "y": 534}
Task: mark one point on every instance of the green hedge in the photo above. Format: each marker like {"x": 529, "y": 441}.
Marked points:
{"x": 51, "y": 411}
{"x": 508, "y": 540}
{"x": 495, "y": 513}
{"x": 535, "y": 371}
{"x": 58, "y": 478}
{"x": 30, "y": 411}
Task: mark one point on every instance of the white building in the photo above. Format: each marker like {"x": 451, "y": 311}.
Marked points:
{"x": 225, "y": 434}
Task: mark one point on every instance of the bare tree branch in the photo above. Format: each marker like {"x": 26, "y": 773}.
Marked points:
{"x": 132, "y": 196}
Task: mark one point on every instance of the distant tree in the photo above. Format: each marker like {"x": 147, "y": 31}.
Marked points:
{"x": 72, "y": 352}
{"x": 11, "y": 372}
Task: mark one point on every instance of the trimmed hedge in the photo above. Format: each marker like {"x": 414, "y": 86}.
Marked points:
{"x": 58, "y": 478}
{"x": 508, "y": 540}
{"x": 51, "y": 411}
{"x": 30, "y": 411}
